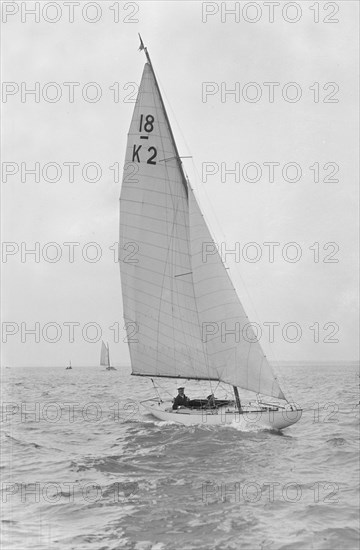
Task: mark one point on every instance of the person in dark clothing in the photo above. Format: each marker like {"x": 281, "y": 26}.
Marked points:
{"x": 181, "y": 400}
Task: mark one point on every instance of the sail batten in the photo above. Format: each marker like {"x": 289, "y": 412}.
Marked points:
{"x": 171, "y": 296}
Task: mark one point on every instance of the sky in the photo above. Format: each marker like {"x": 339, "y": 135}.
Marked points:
{"x": 269, "y": 92}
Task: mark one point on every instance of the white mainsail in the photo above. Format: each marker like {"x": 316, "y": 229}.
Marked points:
{"x": 169, "y": 292}
{"x": 104, "y": 355}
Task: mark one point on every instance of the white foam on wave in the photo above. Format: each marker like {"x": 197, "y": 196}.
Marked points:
{"x": 148, "y": 545}
{"x": 244, "y": 426}
{"x": 160, "y": 422}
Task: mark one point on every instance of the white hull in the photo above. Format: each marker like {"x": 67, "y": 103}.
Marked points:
{"x": 247, "y": 420}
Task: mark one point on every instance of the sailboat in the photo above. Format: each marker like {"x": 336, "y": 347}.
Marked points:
{"x": 170, "y": 294}
{"x": 105, "y": 356}
{"x": 69, "y": 366}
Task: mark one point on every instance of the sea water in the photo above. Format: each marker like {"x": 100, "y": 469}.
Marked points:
{"x": 84, "y": 468}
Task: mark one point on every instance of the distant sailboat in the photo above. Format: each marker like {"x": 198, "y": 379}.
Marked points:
{"x": 69, "y": 367}
{"x": 170, "y": 293}
{"x": 105, "y": 356}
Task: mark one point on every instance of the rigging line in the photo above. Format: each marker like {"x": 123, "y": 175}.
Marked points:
{"x": 159, "y": 114}
{"x": 203, "y": 344}
{"x": 203, "y": 348}
{"x": 227, "y": 390}
{"x": 155, "y": 388}
{"x": 176, "y": 301}
{"x": 162, "y": 389}
{"x": 174, "y": 292}
{"x": 191, "y": 342}
{"x": 178, "y": 159}
{"x": 141, "y": 301}
{"x": 238, "y": 272}
{"x": 173, "y": 116}
{"x": 217, "y": 385}
{"x": 189, "y": 339}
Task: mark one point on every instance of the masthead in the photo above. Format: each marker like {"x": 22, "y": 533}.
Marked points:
{"x": 142, "y": 47}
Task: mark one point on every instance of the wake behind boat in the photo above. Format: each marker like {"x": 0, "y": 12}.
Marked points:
{"x": 175, "y": 301}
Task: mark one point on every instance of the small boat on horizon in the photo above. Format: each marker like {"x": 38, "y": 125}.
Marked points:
{"x": 105, "y": 356}
{"x": 69, "y": 367}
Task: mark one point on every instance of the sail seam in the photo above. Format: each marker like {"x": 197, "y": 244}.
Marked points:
{"x": 150, "y": 190}
{"x": 153, "y": 245}
{"x": 165, "y": 313}
{"x": 158, "y": 286}
{"x": 178, "y": 266}
{"x": 151, "y": 231}
{"x": 133, "y": 214}
{"x": 162, "y": 206}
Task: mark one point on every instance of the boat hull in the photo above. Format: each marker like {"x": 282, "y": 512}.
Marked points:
{"x": 246, "y": 420}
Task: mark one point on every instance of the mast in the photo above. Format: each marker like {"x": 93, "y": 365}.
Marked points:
{"x": 178, "y": 159}
{"x": 237, "y": 398}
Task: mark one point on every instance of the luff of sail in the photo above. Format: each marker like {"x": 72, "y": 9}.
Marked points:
{"x": 169, "y": 292}
{"x": 104, "y": 355}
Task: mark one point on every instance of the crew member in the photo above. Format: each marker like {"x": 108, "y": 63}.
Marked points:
{"x": 181, "y": 400}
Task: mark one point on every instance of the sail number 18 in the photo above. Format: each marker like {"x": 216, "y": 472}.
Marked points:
{"x": 149, "y": 123}
{"x": 146, "y": 125}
